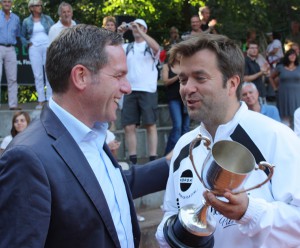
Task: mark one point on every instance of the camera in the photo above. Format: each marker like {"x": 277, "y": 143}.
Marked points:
{"x": 128, "y": 25}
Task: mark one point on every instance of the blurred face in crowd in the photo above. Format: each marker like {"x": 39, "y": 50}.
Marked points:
{"x": 249, "y": 95}
{"x": 174, "y": 34}
{"x": 111, "y": 26}
{"x": 195, "y": 23}
{"x": 37, "y": 8}
{"x": 292, "y": 57}
{"x": 205, "y": 15}
{"x": 66, "y": 15}
{"x": 253, "y": 50}
{"x": 6, "y": 5}
{"x": 20, "y": 123}
{"x": 135, "y": 33}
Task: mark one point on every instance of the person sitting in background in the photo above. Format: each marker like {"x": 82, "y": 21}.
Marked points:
{"x": 65, "y": 13}
{"x": 297, "y": 121}
{"x": 20, "y": 121}
{"x": 249, "y": 94}
{"x": 35, "y": 30}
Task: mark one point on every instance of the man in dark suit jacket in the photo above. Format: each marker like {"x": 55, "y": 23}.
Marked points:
{"x": 51, "y": 191}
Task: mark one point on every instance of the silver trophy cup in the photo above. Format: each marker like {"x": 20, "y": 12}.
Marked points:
{"x": 226, "y": 167}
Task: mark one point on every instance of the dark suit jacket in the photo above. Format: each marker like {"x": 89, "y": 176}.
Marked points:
{"x": 50, "y": 197}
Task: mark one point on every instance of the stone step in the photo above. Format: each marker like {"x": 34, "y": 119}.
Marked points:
{"x": 164, "y": 119}
{"x": 149, "y": 226}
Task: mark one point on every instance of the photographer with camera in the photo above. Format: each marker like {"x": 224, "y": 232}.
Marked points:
{"x": 141, "y": 104}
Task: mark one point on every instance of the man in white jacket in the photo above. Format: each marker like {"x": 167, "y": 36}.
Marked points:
{"x": 212, "y": 68}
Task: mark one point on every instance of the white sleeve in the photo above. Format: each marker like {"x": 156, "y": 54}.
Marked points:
{"x": 5, "y": 142}
{"x": 277, "y": 223}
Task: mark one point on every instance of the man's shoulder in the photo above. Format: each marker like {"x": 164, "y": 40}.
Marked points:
{"x": 15, "y": 16}
{"x": 57, "y": 25}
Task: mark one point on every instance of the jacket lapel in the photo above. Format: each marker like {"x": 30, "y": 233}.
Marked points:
{"x": 79, "y": 166}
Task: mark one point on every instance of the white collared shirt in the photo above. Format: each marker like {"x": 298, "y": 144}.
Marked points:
{"x": 91, "y": 143}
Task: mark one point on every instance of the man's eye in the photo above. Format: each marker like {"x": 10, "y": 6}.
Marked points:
{"x": 118, "y": 76}
{"x": 201, "y": 79}
{"x": 182, "y": 80}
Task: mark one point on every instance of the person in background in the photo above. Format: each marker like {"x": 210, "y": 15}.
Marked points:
{"x": 178, "y": 112}
{"x": 207, "y": 25}
{"x": 173, "y": 39}
{"x": 109, "y": 23}
{"x": 195, "y": 26}
{"x": 60, "y": 185}
{"x": 274, "y": 51}
{"x": 65, "y": 13}
{"x": 254, "y": 72}
{"x": 294, "y": 35}
{"x": 250, "y": 95}
{"x": 251, "y": 36}
{"x": 9, "y": 32}
{"x": 288, "y": 87}
{"x": 297, "y": 121}
{"x": 211, "y": 73}
{"x": 35, "y": 30}
{"x": 295, "y": 46}
{"x": 112, "y": 143}
{"x": 20, "y": 121}
{"x": 141, "y": 105}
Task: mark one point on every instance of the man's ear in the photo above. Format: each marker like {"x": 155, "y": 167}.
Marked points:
{"x": 80, "y": 76}
{"x": 233, "y": 84}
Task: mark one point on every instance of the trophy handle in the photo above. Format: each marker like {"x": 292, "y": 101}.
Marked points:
{"x": 261, "y": 166}
{"x": 192, "y": 145}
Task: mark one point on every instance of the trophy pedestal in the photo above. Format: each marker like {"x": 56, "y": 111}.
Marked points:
{"x": 178, "y": 237}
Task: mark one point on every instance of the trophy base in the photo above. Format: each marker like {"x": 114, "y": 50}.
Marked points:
{"x": 178, "y": 237}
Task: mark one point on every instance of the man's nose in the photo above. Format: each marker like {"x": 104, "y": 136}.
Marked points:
{"x": 126, "y": 87}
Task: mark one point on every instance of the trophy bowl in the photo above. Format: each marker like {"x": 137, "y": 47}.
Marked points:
{"x": 226, "y": 167}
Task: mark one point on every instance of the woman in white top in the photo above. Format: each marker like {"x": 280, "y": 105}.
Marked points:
{"x": 20, "y": 121}
{"x": 35, "y": 29}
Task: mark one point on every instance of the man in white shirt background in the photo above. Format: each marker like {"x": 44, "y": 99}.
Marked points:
{"x": 65, "y": 12}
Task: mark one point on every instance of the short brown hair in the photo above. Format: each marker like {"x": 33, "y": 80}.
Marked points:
{"x": 230, "y": 58}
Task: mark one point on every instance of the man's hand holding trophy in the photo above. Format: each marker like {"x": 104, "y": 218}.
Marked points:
{"x": 223, "y": 173}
